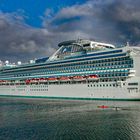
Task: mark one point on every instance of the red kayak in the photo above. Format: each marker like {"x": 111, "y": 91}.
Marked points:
{"x": 103, "y": 106}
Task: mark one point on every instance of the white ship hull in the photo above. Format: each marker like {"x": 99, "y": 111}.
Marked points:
{"x": 72, "y": 91}
{"x": 92, "y": 70}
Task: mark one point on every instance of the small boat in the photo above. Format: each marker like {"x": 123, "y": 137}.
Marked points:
{"x": 103, "y": 106}
{"x": 78, "y": 78}
{"x": 27, "y": 81}
{"x": 42, "y": 79}
{"x": 52, "y": 79}
{"x": 92, "y": 77}
{"x": 33, "y": 80}
{"x": 64, "y": 78}
{"x": 4, "y": 81}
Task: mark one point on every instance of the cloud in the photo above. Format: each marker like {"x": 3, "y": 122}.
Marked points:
{"x": 18, "y": 41}
{"x": 125, "y": 15}
{"x": 108, "y": 21}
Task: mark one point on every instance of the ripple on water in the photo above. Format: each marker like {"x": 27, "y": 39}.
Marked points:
{"x": 68, "y": 120}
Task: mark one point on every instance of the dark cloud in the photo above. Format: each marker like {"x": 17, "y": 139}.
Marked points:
{"x": 112, "y": 21}
{"x": 21, "y": 42}
{"x": 125, "y": 15}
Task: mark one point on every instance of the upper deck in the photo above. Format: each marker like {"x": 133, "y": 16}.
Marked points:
{"x": 67, "y": 50}
{"x": 74, "y": 51}
{"x": 72, "y": 48}
{"x": 82, "y": 57}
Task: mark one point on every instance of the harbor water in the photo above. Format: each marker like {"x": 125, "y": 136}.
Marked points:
{"x": 45, "y": 119}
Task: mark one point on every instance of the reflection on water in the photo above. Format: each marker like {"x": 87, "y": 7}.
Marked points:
{"x": 68, "y": 120}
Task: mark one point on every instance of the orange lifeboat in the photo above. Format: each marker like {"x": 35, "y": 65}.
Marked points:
{"x": 78, "y": 78}
{"x": 52, "y": 79}
{"x": 64, "y": 78}
{"x": 28, "y": 81}
{"x": 33, "y": 80}
{"x": 92, "y": 77}
{"x": 3, "y": 81}
{"x": 42, "y": 80}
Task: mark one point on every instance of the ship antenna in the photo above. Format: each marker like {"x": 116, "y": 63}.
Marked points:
{"x": 127, "y": 45}
{"x": 78, "y": 38}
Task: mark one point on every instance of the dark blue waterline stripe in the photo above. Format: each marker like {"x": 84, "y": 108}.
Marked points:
{"x": 70, "y": 98}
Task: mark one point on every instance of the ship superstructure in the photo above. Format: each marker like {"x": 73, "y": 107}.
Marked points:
{"x": 79, "y": 69}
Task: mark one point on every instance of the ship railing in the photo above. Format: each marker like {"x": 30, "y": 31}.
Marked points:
{"x": 132, "y": 71}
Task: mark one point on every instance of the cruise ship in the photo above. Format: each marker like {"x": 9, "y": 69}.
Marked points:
{"x": 79, "y": 69}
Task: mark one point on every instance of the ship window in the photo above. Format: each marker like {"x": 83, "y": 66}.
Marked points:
{"x": 132, "y": 84}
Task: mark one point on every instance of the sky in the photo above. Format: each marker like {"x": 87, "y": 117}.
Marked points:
{"x": 32, "y": 29}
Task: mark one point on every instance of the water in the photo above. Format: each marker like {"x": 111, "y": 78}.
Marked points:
{"x": 43, "y": 119}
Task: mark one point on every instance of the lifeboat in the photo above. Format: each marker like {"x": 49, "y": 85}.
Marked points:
{"x": 33, "y": 80}
{"x": 92, "y": 77}
{"x": 28, "y": 81}
{"x": 42, "y": 79}
{"x": 45, "y": 79}
{"x": 78, "y": 78}
{"x": 3, "y": 81}
{"x": 52, "y": 79}
{"x": 64, "y": 78}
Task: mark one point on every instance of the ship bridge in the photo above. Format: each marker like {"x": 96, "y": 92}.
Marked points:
{"x": 73, "y": 48}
